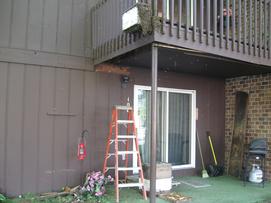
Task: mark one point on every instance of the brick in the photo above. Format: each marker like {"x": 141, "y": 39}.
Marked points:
{"x": 259, "y": 111}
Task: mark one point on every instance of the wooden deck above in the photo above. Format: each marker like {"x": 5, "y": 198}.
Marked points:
{"x": 236, "y": 30}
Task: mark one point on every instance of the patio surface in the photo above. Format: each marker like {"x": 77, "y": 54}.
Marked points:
{"x": 222, "y": 189}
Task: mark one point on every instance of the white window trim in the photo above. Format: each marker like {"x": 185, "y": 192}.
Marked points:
{"x": 193, "y": 120}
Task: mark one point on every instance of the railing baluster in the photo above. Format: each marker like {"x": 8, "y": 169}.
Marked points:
{"x": 187, "y": 18}
{"x": 239, "y": 25}
{"x": 227, "y": 23}
{"x": 97, "y": 40}
{"x": 208, "y": 22}
{"x": 233, "y": 25}
{"x": 260, "y": 28}
{"x": 164, "y": 15}
{"x": 180, "y": 3}
{"x": 269, "y": 39}
{"x": 194, "y": 19}
{"x": 265, "y": 27}
{"x": 92, "y": 33}
{"x": 245, "y": 26}
{"x": 171, "y": 16}
{"x": 250, "y": 26}
{"x": 154, "y": 7}
{"x": 214, "y": 22}
{"x": 221, "y": 24}
{"x": 201, "y": 20}
{"x": 255, "y": 28}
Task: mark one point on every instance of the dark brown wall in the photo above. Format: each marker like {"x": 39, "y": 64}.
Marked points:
{"x": 210, "y": 102}
{"x": 38, "y": 151}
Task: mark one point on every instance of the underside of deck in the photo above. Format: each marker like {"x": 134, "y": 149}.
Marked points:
{"x": 189, "y": 61}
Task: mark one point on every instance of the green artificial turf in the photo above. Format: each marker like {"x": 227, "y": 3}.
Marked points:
{"x": 224, "y": 189}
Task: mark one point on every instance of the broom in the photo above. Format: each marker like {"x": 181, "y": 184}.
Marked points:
{"x": 204, "y": 173}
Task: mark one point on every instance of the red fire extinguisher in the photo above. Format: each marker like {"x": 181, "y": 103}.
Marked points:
{"x": 81, "y": 150}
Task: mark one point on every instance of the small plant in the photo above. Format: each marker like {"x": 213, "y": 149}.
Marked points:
{"x": 95, "y": 184}
{"x": 2, "y": 198}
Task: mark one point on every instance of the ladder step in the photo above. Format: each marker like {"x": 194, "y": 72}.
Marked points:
{"x": 130, "y": 185}
{"x": 118, "y": 141}
{"x": 126, "y": 136}
{"x": 124, "y": 121}
{"x": 110, "y": 168}
{"x": 119, "y": 107}
{"x": 128, "y": 168}
{"x": 126, "y": 152}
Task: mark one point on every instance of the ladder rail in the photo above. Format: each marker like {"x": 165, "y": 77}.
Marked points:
{"x": 131, "y": 134}
{"x": 108, "y": 146}
{"x": 116, "y": 158}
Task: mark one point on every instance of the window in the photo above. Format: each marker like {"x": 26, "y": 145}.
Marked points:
{"x": 175, "y": 125}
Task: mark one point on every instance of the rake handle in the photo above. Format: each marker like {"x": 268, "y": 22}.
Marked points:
{"x": 200, "y": 152}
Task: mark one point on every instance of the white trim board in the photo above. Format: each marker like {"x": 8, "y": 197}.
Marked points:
{"x": 193, "y": 119}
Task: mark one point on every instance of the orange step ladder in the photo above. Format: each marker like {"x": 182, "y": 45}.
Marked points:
{"x": 117, "y": 140}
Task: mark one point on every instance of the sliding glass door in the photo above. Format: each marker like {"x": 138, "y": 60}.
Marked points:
{"x": 175, "y": 125}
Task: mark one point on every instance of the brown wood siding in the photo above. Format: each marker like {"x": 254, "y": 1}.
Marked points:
{"x": 38, "y": 151}
{"x": 56, "y": 26}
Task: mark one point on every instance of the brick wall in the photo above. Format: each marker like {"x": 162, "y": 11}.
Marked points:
{"x": 259, "y": 111}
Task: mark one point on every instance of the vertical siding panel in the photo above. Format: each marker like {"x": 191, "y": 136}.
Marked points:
{"x": 88, "y": 30}
{"x": 5, "y": 22}
{"x": 14, "y": 129}
{"x": 61, "y": 128}
{"x": 75, "y": 125}
{"x": 31, "y": 109}
{"x": 64, "y": 26}
{"x": 78, "y": 27}
{"x": 3, "y": 109}
{"x": 46, "y": 129}
{"x": 19, "y": 23}
{"x": 49, "y": 25}
{"x": 34, "y": 24}
{"x": 102, "y": 120}
{"x": 89, "y": 117}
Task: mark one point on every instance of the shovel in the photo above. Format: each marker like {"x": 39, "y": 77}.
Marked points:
{"x": 214, "y": 170}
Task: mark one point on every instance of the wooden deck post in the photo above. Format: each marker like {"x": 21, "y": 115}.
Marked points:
{"x": 153, "y": 123}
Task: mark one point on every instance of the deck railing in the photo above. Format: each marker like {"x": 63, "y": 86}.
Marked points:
{"x": 239, "y": 25}
{"x": 238, "y": 29}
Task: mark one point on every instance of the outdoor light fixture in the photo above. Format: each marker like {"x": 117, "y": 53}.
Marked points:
{"x": 124, "y": 79}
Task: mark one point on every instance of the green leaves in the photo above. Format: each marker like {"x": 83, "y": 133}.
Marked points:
{"x": 2, "y": 198}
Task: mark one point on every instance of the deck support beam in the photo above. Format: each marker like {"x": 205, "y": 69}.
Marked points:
{"x": 153, "y": 123}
